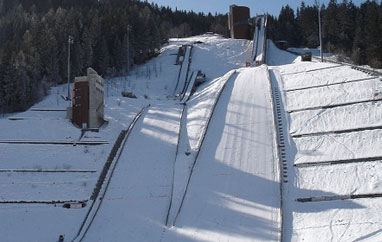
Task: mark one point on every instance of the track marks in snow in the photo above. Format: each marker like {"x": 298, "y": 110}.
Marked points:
{"x": 199, "y": 111}
{"x": 217, "y": 206}
{"x": 141, "y": 180}
{"x": 102, "y": 187}
{"x": 355, "y": 145}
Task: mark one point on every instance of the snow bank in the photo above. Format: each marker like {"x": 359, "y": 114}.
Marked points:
{"x": 332, "y": 95}
{"x": 315, "y": 52}
{"x": 277, "y": 57}
{"x": 46, "y": 186}
{"x": 323, "y": 77}
{"x": 26, "y": 222}
{"x": 339, "y": 220}
{"x": 339, "y": 118}
{"x": 303, "y": 67}
{"x": 339, "y": 146}
{"x": 339, "y": 179}
{"x": 356, "y": 220}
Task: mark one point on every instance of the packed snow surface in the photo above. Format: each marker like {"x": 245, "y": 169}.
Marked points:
{"x": 259, "y": 40}
{"x": 136, "y": 202}
{"x": 338, "y": 118}
{"x": 181, "y": 82}
{"x": 333, "y": 95}
{"x": 238, "y": 149}
{"x": 348, "y": 130}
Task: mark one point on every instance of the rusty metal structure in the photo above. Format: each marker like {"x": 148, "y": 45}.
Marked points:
{"x": 80, "y": 103}
{"x": 238, "y": 22}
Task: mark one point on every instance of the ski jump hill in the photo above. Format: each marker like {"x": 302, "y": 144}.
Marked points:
{"x": 280, "y": 151}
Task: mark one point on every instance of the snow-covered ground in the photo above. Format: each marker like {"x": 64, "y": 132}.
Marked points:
{"x": 183, "y": 77}
{"x": 240, "y": 132}
{"x": 209, "y": 168}
{"x": 306, "y": 85}
{"x": 65, "y": 172}
{"x": 135, "y": 205}
{"x": 234, "y": 191}
{"x": 46, "y": 173}
{"x": 338, "y": 118}
{"x": 323, "y": 77}
{"x": 333, "y": 95}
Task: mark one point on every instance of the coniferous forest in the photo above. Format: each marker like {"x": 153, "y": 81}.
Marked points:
{"x": 34, "y": 38}
{"x": 353, "y": 31}
{"x": 34, "y": 41}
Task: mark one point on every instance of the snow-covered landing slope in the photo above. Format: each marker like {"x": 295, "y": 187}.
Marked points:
{"x": 338, "y": 74}
{"x": 275, "y": 57}
{"x": 332, "y": 95}
{"x": 196, "y": 114}
{"x": 215, "y": 56}
{"x": 356, "y": 152}
{"x": 134, "y": 207}
{"x": 339, "y": 118}
{"x": 259, "y": 40}
{"x": 184, "y": 74}
{"x": 152, "y": 83}
{"x": 234, "y": 192}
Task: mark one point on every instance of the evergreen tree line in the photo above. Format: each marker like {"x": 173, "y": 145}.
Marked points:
{"x": 34, "y": 41}
{"x": 346, "y": 29}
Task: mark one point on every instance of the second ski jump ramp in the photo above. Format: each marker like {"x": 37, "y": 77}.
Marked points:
{"x": 259, "y": 40}
{"x": 234, "y": 191}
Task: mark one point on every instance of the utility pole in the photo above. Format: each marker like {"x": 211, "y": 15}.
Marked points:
{"x": 128, "y": 53}
{"x": 320, "y": 29}
{"x": 70, "y": 41}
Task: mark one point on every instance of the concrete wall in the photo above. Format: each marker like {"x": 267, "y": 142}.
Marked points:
{"x": 96, "y": 99}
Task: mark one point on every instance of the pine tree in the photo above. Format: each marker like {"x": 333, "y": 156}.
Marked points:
{"x": 118, "y": 55}
{"x": 347, "y": 22}
{"x": 288, "y": 26}
{"x": 373, "y": 36}
{"x": 308, "y": 24}
{"x": 103, "y": 57}
{"x": 34, "y": 35}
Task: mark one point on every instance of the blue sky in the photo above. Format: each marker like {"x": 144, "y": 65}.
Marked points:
{"x": 222, "y": 6}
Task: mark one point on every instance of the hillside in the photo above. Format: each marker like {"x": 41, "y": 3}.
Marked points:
{"x": 284, "y": 151}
